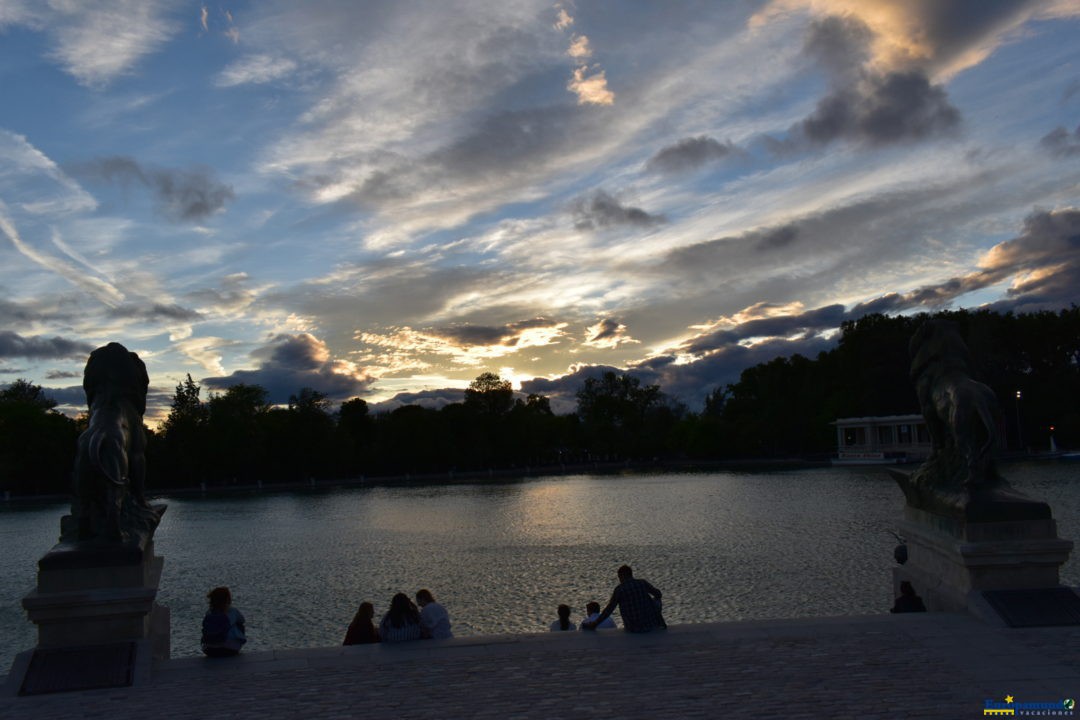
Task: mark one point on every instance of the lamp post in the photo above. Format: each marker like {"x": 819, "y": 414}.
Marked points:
{"x": 1019, "y": 432}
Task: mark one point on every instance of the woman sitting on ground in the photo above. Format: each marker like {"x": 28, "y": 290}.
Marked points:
{"x": 362, "y": 630}
{"x": 401, "y": 622}
{"x": 563, "y": 623}
{"x": 222, "y": 626}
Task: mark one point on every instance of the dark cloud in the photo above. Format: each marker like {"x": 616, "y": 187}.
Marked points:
{"x": 153, "y": 312}
{"x": 953, "y": 28}
{"x": 12, "y": 371}
{"x": 1061, "y": 142}
{"x": 606, "y": 329}
{"x": 1045, "y": 257}
{"x": 507, "y": 334}
{"x": 781, "y": 326}
{"x": 562, "y": 391}
{"x": 689, "y": 383}
{"x": 62, "y": 375}
{"x": 841, "y": 44}
{"x": 879, "y": 110}
{"x": 689, "y": 154}
{"x": 72, "y": 396}
{"x": 15, "y": 345}
{"x": 291, "y": 362}
{"x": 189, "y": 195}
{"x": 599, "y": 209}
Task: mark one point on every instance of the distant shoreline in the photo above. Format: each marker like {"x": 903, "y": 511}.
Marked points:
{"x": 501, "y": 475}
{"x": 464, "y": 477}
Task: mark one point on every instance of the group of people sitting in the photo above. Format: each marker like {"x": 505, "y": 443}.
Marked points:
{"x": 638, "y": 601}
{"x": 403, "y": 621}
{"x": 223, "y": 631}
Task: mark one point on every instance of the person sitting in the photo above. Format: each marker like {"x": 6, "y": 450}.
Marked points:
{"x": 908, "y": 600}
{"x": 638, "y": 603}
{"x": 362, "y": 630}
{"x": 563, "y": 623}
{"x": 592, "y": 613}
{"x": 401, "y": 622}
{"x": 223, "y": 632}
{"x": 434, "y": 620}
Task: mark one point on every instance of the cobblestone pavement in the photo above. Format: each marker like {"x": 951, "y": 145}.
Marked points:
{"x": 892, "y": 666}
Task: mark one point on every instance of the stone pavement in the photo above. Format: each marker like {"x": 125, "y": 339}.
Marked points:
{"x": 933, "y": 665}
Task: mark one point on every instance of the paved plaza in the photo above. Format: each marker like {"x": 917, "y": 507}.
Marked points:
{"x": 933, "y": 665}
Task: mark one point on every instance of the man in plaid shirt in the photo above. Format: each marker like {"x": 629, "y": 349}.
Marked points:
{"x": 638, "y": 601}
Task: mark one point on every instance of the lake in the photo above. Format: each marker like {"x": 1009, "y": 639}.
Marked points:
{"x": 502, "y": 556}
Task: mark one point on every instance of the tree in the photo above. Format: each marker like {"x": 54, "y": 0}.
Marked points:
{"x": 185, "y": 434}
{"x": 37, "y": 444}
{"x": 236, "y": 437}
{"x": 613, "y": 411}
{"x": 490, "y": 395}
{"x": 23, "y": 392}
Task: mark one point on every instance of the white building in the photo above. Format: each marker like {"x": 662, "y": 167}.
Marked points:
{"x": 883, "y": 439}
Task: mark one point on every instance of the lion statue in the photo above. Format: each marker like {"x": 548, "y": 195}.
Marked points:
{"x": 110, "y": 467}
{"x": 962, "y": 415}
{"x": 963, "y": 418}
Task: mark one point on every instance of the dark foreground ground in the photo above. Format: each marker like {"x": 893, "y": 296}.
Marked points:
{"x": 888, "y": 666}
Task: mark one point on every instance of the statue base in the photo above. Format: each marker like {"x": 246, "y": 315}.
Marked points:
{"x": 953, "y": 561}
{"x": 97, "y": 599}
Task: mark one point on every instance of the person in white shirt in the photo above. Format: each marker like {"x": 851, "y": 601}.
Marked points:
{"x": 592, "y": 611}
{"x": 434, "y": 620}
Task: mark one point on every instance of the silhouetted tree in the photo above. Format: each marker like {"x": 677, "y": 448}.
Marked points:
{"x": 37, "y": 444}
{"x": 489, "y": 394}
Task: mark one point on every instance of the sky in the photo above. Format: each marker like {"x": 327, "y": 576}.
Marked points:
{"x": 385, "y": 199}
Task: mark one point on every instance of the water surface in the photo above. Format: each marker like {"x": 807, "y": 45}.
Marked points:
{"x": 501, "y": 557}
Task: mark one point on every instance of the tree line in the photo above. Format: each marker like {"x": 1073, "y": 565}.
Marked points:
{"x": 778, "y": 409}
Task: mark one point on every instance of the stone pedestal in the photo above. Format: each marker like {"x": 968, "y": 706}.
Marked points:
{"x": 89, "y": 595}
{"x": 952, "y": 561}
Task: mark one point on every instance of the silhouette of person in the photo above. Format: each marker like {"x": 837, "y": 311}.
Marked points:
{"x": 401, "y": 622}
{"x": 434, "y": 620}
{"x": 362, "y": 629}
{"x": 908, "y": 600}
{"x": 592, "y": 613}
{"x": 638, "y": 603}
{"x": 223, "y": 632}
{"x": 563, "y": 623}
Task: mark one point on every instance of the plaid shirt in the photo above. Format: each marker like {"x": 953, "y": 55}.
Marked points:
{"x": 638, "y": 603}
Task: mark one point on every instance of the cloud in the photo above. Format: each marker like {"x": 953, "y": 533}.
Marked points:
{"x": 38, "y": 348}
{"x": 100, "y": 288}
{"x": 231, "y": 298}
{"x": 563, "y": 19}
{"x": 291, "y": 362}
{"x": 433, "y": 399}
{"x": 1043, "y": 263}
{"x": 62, "y": 375}
{"x": 805, "y": 324}
{"x": 942, "y": 39}
{"x": 206, "y": 351}
{"x": 188, "y": 195}
{"x": 156, "y": 312}
{"x": 96, "y": 42}
{"x": 601, "y": 210}
{"x": 607, "y": 333}
{"x": 1061, "y": 143}
{"x": 689, "y": 154}
{"x": 881, "y": 109}
{"x": 468, "y": 345}
{"x": 579, "y": 48}
{"x": 590, "y": 89}
{"x": 256, "y": 70}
